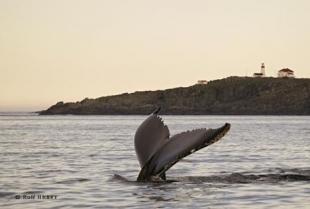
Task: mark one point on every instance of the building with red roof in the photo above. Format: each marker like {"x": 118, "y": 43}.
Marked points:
{"x": 286, "y": 73}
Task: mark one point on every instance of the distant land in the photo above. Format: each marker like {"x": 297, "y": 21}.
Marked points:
{"x": 228, "y": 96}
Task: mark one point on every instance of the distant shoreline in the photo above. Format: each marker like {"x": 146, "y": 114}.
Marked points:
{"x": 228, "y": 96}
{"x": 189, "y": 115}
{"x": 8, "y": 113}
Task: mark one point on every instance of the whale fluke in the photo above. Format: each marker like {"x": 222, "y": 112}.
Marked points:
{"x": 157, "y": 151}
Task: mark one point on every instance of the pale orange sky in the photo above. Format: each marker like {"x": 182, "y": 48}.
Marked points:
{"x": 66, "y": 50}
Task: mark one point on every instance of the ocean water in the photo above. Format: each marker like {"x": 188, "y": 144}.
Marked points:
{"x": 90, "y": 162}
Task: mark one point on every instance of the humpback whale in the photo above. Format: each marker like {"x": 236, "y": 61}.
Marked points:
{"x": 157, "y": 151}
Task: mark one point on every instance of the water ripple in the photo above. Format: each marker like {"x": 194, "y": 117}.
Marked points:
{"x": 263, "y": 162}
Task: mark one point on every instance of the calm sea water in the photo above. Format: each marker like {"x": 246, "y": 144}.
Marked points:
{"x": 90, "y": 162}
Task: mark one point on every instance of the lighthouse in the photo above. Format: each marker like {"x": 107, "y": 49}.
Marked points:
{"x": 262, "y": 70}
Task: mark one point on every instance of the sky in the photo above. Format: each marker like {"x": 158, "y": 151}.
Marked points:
{"x": 67, "y": 50}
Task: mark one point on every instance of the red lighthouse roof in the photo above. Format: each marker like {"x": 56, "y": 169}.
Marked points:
{"x": 287, "y": 70}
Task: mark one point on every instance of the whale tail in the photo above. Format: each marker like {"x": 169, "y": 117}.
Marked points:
{"x": 157, "y": 151}
{"x": 156, "y": 111}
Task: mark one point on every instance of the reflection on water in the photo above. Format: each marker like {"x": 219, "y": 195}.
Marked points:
{"x": 89, "y": 161}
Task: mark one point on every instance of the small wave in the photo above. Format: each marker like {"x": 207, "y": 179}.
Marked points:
{"x": 72, "y": 181}
{"x": 301, "y": 171}
{"x": 123, "y": 179}
{"x": 6, "y": 194}
{"x": 42, "y": 172}
{"x": 238, "y": 178}
{"x": 278, "y": 175}
{"x": 272, "y": 175}
{"x": 32, "y": 192}
{"x": 92, "y": 155}
{"x": 117, "y": 177}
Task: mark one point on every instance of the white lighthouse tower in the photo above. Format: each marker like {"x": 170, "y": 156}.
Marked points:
{"x": 262, "y": 70}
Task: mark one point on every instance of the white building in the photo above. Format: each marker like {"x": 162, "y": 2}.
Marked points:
{"x": 200, "y": 82}
{"x": 286, "y": 73}
{"x": 262, "y": 72}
